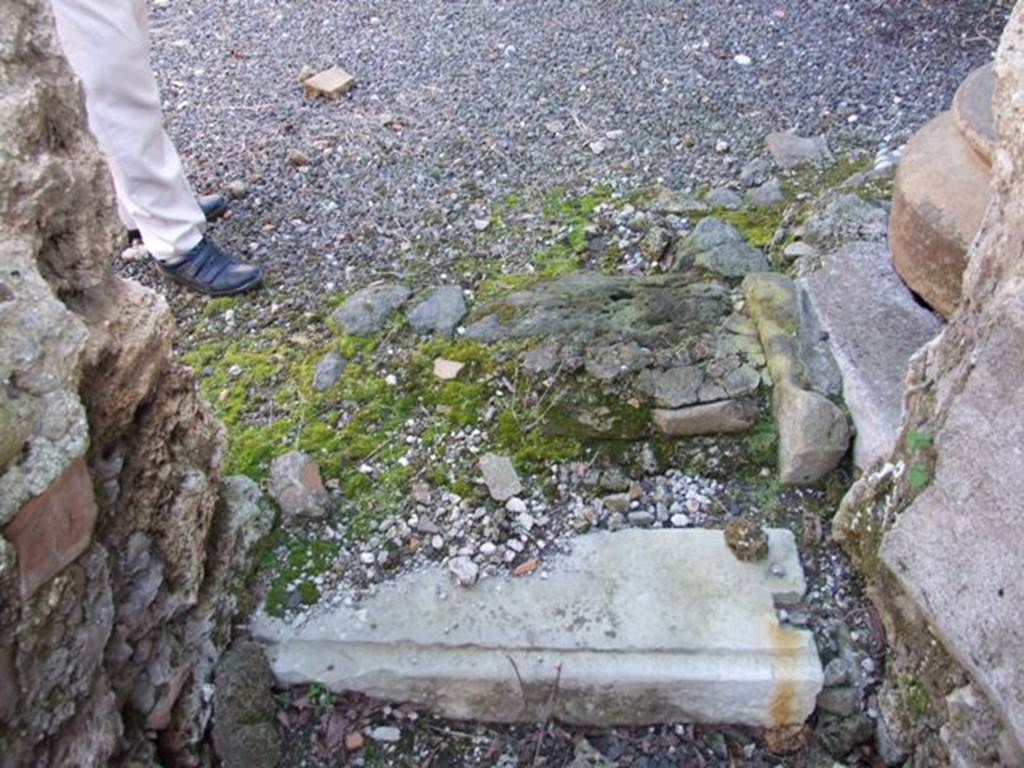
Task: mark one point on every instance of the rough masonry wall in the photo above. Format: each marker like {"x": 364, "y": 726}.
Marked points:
{"x": 115, "y": 555}
{"x": 936, "y": 528}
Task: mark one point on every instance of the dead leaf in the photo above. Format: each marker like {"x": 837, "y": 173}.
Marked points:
{"x": 525, "y": 569}
{"x": 335, "y": 732}
{"x": 785, "y": 739}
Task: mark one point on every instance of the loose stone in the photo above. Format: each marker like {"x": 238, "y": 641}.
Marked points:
{"x": 464, "y": 570}
{"x": 447, "y": 370}
{"x": 440, "y": 311}
{"x": 500, "y": 477}
{"x": 296, "y": 486}
{"x": 386, "y": 733}
{"x": 747, "y": 540}
{"x": 328, "y": 371}
{"x": 366, "y": 311}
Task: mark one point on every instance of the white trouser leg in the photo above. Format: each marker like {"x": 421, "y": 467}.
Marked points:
{"x": 107, "y": 45}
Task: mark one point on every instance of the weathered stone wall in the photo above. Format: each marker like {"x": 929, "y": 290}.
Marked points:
{"x": 936, "y": 528}
{"x": 114, "y": 552}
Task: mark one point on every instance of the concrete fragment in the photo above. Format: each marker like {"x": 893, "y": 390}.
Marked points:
{"x": 813, "y": 433}
{"x": 330, "y": 83}
{"x": 500, "y": 477}
{"x": 685, "y": 633}
{"x": 721, "y": 418}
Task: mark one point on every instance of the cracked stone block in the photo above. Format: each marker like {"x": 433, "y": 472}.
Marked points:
{"x": 638, "y": 626}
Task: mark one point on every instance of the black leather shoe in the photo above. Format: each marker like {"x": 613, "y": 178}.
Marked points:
{"x": 210, "y": 270}
{"x": 213, "y": 206}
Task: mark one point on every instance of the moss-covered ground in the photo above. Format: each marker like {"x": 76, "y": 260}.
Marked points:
{"x": 388, "y": 422}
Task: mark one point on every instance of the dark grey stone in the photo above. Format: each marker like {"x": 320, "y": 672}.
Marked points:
{"x": 244, "y": 735}
{"x": 328, "y": 371}
{"x": 366, "y": 311}
{"x": 766, "y": 195}
{"x": 440, "y": 311}
{"x": 723, "y": 197}
{"x": 841, "y": 735}
{"x": 719, "y": 247}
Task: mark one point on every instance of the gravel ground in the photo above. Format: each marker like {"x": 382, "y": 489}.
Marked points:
{"x": 459, "y": 104}
{"x": 462, "y": 107}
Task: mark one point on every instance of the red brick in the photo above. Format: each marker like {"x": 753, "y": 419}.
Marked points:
{"x": 54, "y": 528}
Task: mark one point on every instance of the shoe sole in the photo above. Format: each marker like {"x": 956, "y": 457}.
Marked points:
{"x": 214, "y": 294}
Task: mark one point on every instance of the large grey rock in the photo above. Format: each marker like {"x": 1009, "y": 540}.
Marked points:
{"x": 791, "y": 151}
{"x": 440, "y": 311}
{"x": 844, "y": 218}
{"x": 244, "y": 735}
{"x": 766, "y": 195}
{"x": 723, "y": 197}
{"x": 954, "y": 550}
{"x": 873, "y": 326}
{"x": 243, "y": 516}
{"x": 718, "y": 246}
{"x": 644, "y": 626}
{"x": 813, "y": 434}
{"x": 367, "y": 310}
{"x": 296, "y": 486}
{"x": 935, "y": 528}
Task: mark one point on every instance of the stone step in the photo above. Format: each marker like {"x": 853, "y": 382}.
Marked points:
{"x": 940, "y": 197}
{"x": 873, "y": 325}
{"x": 972, "y": 111}
{"x": 633, "y": 627}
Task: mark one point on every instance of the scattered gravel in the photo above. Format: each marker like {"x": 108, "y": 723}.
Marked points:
{"x": 460, "y": 104}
